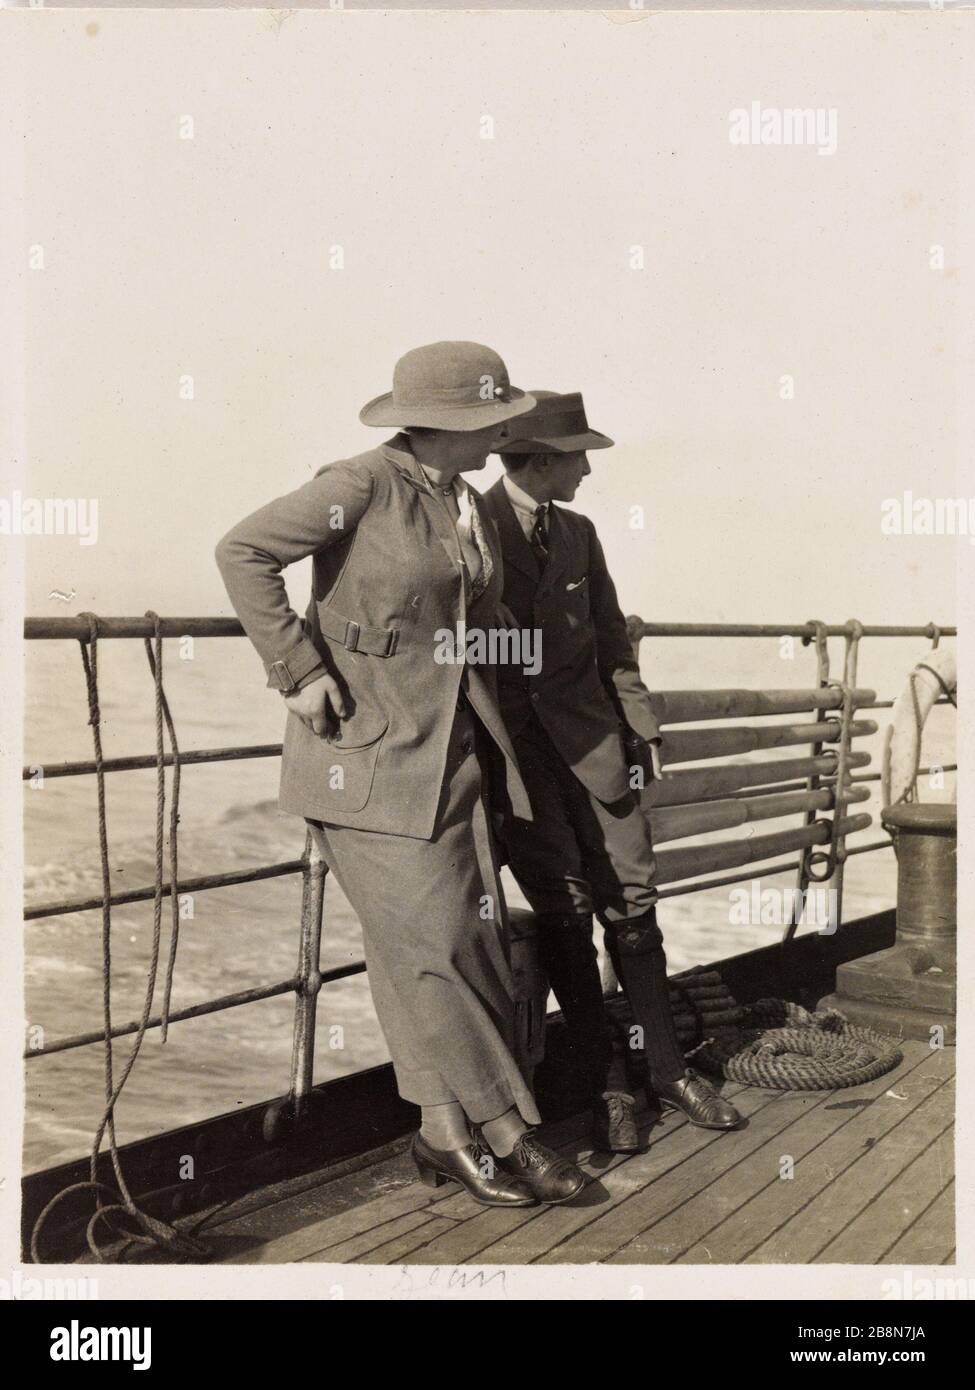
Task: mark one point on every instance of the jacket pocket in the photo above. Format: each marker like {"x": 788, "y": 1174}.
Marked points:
{"x": 360, "y": 738}
{"x": 351, "y": 766}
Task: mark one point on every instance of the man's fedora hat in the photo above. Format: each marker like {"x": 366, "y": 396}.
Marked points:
{"x": 448, "y": 386}
{"x": 557, "y": 425}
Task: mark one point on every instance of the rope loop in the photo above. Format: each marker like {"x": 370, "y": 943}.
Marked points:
{"x": 934, "y": 632}
{"x": 813, "y": 860}
{"x": 89, "y": 661}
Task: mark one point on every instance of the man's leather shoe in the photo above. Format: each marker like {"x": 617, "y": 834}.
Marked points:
{"x": 476, "y": 1169}
{"x": 613, "y": 1126}
{"x": 552, "y": 1178}
{"x": 699, "y": 1101}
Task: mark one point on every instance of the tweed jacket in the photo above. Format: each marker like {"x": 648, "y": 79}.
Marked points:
{"x": 387, "y": 579}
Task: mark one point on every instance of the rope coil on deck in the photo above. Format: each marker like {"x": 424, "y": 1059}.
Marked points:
{"x": 773, "y": 1042}
{"x": 784, "y": 1047}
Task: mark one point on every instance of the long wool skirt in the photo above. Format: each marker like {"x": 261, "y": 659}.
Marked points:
{"x": 436, "y": 947}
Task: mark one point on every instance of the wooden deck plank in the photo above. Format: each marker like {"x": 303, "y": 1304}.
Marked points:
{"x": 672, "y": 1143}
{"x": 400, "y": 1249}
{"x": 368, "y": 1240}
{"x": 755, "y": 1209}
{"x": 685, "y": 1230}
{"x": 931, "y": 1240}
{"x": 612, "y": 1178}
{"x": 356, "y": 1177}
{"x": 608, "y": 1178}
{"x": 294, "y": 1229}
{"x": 866, "y": 1177}
{"x": 936, "y": 1061}
{"x": 658, "y": 1177}
{"x": 822, "y": 1184}
{"x": 480, "y": 1226}
{"x": 688, "y": 1229}
{"x": 738, "y": 1154}
{"x": 333, "y": 1229}
{"x": 764, "y": 1212}
{"x": 293, "y": 1210}
{"x": 489, "y": 1226}
{"x": 692, "y": 1194}
{"x": 635, "y": 1237}
{"x": 893, "y": 1211}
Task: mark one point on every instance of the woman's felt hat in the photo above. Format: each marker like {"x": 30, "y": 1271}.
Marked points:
{"x": 448, "y": 386}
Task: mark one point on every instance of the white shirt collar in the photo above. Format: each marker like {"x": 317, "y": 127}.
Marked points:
{"x": 520, "y": 499}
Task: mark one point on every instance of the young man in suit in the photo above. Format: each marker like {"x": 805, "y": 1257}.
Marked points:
{"x": 588, "y": 847}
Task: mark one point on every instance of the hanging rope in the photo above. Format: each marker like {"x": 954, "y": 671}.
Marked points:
{"x": 911, "y": 793}
{"x": 144, "y": 1229}
{"x": 163, "y": 714}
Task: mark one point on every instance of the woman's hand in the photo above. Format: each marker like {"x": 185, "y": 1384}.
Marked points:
{"x": 318, "y": 705}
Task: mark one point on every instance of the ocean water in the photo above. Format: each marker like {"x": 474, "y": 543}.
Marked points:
{"x": 243, "y": 936}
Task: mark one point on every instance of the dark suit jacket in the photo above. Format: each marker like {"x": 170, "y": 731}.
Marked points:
{"x": 387, "y": 576}
{"x": 589, "y": 682}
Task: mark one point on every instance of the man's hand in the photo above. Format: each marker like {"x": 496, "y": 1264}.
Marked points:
{"x": 641, "y": 753}
{"x": 318, "y": 706}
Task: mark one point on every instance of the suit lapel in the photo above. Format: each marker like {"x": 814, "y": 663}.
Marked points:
{"x": 514, "y": 545}
{"x": 435, "y": 510}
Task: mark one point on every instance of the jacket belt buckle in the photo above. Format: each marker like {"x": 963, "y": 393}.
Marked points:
{"x": 283, "y": 678}
{"x": 351, "y": 642}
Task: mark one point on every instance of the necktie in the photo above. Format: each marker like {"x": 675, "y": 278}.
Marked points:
{"x": 539, "y": 538}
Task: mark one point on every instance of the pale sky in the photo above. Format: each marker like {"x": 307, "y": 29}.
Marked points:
{"x": 210, "y": 257}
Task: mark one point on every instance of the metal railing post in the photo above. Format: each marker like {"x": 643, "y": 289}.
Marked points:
{"x": 850, "y": 663}
{"x": 308, "y": 974}
{"x": 815, "y": 751}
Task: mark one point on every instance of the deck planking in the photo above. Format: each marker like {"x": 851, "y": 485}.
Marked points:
{"x": 871, "y": 1184}
{"x": 839, "y": 1129}
{"x": 929, "y": 1236}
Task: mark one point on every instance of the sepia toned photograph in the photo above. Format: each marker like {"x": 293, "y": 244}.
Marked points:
{"x": 487, "y": 498}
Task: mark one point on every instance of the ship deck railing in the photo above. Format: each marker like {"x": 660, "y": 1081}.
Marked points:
{"x": 820, "y": 785}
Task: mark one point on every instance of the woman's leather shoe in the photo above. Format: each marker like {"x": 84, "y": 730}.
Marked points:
{"x": 552, "y": 1178}
{"x": 476, "y": 1169}
{"x": 698, "y": 1100}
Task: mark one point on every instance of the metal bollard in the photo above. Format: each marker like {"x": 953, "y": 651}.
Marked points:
{"x": 909, "y": 990}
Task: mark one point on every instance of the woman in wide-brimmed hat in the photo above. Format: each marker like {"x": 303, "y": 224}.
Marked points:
{"x": 386, "y": 748}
